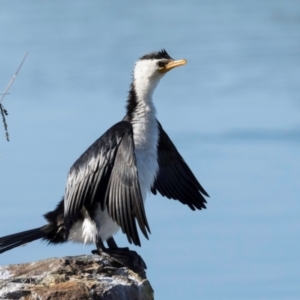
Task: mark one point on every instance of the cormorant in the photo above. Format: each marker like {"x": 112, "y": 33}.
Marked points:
{"x": 108, "y": 184}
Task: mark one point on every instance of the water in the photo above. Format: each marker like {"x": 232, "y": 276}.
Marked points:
{"x": 233, "y": 112}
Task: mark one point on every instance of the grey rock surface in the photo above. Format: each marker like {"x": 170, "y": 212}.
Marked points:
{"x": 79, "y": 277}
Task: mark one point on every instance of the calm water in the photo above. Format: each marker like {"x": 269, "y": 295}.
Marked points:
{"x": 233, "y": 112}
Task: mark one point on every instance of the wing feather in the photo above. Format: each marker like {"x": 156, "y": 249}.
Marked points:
{"x": 125, "y": 191}
{"x": 175, "y": 179}
{"x": 107, "y": 174}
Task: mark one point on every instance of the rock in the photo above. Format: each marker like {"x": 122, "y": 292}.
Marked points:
{"x": 86, "y": 277}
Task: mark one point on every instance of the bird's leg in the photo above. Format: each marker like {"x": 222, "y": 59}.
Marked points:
{"x": 100, "y": 247}
{"x": 123, "y": 256}
{"x": 112, "y": 243}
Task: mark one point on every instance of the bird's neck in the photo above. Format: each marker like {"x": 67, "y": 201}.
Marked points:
{"x": 140, "y": 107}
{"x": 141, "y": 113}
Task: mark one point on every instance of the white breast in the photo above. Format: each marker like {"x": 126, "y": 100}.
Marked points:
{"x": 145, "y": 134}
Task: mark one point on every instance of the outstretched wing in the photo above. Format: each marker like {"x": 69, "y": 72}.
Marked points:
{"x": 175, "y": 180}
{"x": 106, "y": 173}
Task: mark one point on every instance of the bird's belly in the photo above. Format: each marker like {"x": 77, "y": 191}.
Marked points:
{"x": 87, "y": 231}
{"x": 105, "y": 224}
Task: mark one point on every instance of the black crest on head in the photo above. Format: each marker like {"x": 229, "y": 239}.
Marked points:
{"x": 157, "y": 55}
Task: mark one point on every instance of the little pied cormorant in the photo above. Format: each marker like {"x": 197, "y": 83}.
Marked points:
{"x": 107, "y": 186}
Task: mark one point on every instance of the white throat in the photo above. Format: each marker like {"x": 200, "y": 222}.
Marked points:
{"x": 145, "y": 79}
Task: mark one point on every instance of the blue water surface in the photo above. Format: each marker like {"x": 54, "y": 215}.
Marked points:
{"x": 233, "y": 112}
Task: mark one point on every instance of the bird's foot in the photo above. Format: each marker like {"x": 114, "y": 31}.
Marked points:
{"x": 124, "y": 257}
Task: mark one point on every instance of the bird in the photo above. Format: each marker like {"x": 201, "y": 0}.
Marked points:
{"x": 108, "y": 184}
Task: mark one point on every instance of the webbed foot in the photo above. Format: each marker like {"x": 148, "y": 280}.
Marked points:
{"x": 123, "y": 256}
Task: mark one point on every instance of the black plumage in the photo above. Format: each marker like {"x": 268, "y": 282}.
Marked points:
{"x": 175, "y": 180}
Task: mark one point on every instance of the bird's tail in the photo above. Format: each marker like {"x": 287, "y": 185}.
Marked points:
{"x": 18, "y": 239}
{"x": 53, "y": 232}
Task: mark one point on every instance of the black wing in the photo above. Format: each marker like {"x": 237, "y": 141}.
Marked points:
{"x": 107, "y": 174}
{"x": 175, "y": 179}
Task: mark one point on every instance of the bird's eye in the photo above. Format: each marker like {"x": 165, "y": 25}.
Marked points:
{"x": 161, "y": 64}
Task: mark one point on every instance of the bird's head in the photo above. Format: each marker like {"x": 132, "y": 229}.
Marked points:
{"x": 149, "y": 69}
{"x": 155, "y": 64}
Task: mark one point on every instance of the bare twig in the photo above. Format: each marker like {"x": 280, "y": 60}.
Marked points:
{"x": 3, "y": 111}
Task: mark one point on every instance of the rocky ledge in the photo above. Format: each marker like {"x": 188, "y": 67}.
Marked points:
{"x": 83, "y": 277}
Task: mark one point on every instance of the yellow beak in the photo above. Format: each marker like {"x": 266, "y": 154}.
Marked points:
{"x": 171, "y": 65}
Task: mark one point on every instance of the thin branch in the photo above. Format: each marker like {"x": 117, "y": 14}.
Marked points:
{"x": 3, "y": 111}
{"x": 3, "y": 114}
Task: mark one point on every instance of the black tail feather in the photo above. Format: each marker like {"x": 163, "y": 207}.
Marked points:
{"x": 18, "y": 239}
